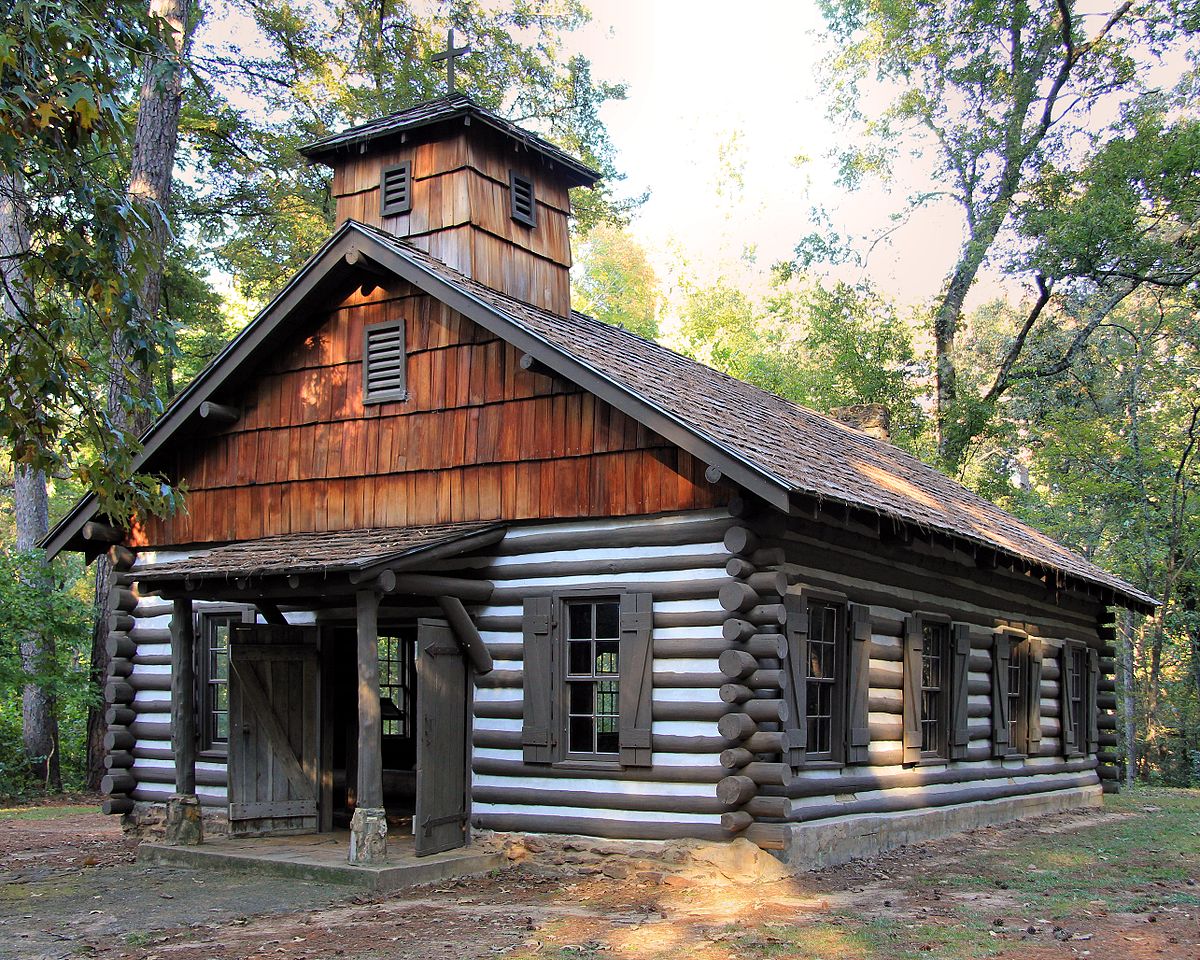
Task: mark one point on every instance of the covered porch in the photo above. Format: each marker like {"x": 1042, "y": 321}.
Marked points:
{"x": 307, "y": 724}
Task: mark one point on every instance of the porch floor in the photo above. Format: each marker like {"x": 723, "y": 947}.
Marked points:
{"x": 323, "y": 857}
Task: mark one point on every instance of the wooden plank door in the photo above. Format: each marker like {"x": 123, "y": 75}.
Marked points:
{"x": 274, "y": 730}
{"x": 440, "y": 819}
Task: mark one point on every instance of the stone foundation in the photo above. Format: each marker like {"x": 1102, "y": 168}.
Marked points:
{"x": 827, "y": 843}
{"x": 148, "y": 821}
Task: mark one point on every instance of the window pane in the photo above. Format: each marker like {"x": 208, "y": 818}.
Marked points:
{"x": 608, "y": 620}
{"x": 606, "y": 656}
{"x": 579, "y": 616}
{"x": 222, "y": 727}
{"x": 606, "y": 697}
{"x": 580, "y": 739}
{"x": 580, "y": 698}
{"x": 608, "y": 742}
{"x": 580, "y": 658}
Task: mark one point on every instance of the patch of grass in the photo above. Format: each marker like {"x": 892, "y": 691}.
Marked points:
{"x": 43, "y": 812}
{"x": 138, "y": 939}
{"x": 1157, "y": 846}
{"x": 852, "y": 937}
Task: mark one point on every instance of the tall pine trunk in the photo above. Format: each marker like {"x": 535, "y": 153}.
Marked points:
{"x": 154, "y": 144}
{"x": 39, "y": 716}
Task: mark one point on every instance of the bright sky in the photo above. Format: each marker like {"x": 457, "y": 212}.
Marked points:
{"x": 701, "y": 73}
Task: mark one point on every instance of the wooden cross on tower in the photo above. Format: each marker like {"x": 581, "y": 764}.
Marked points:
{"x": 450, "y": 54}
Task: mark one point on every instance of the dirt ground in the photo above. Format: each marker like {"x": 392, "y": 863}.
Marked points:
{"x": 1115, "y": 883}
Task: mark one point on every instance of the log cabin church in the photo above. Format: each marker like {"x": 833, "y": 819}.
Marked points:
{"x": 454, "y": 556}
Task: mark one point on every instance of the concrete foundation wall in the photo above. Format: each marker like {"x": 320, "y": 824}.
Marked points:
{"x": 827, "y": 843}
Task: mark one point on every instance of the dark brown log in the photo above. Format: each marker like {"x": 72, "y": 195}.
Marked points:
{"x": 768, "y": 557}
{"x": 122, "y": 599}
{"x": 737, "y": 631}
{"x": 922, "y": 777}
{"x": 96, "y": 532}
{"x": 119, "y": 716}
{"x": 773, "y": 808}
{"x": 768, "y": 583}
{"x": 660, "y": 774}
{"x": 768, "y": 614}
{"x": 117, "y": 781}
{"x": 534, "y": 365}
{"x": 468, "y": 636}
{"x": 768, "y": 774}
{"x": 771, "y": 645}
{"x": 736, "y": 726}
{"x": 148, "y": 794}
{"x": 219, "y": 413}
{"x": 735, "y": 821}
{"x": 118, "y": 738}
{"x": 737, "y": 664}
{"x": 596, "y": 827}
{"x": 713, "y": 474}
{"x": 424, "y": 585}
{"x": 120, "y": 645}
{"x": 767, "y": 741}
{"x": 183, "y": 697}
{"x": 118, "y": 760}
{"x": 733, "y": 791}
{"x": 119, "y": 667}
{"x": 773, "y": 680}
{"x": 769, "y": 836}
{"x": 766, "y": 711}
{"x": 658, "y": 803}
{"x": 116, "y": 804}
{"x": 370, "y": 759}
{"x": 121, "y": 557}
{"x": 736, "y": 757}
{"x": 739, "y": 568}
{"x": 738, "y": 597}
{"x": 120, "y": 622}
{"x": 118, "y": 691}
{"x": 740, "y": 541}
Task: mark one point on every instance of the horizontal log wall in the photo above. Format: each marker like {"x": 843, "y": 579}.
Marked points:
{"x": 479, "y": 438}
{"x": 895, "y": 581}
{"x": 681, "y": 561}
{"x": 139, "y": 757}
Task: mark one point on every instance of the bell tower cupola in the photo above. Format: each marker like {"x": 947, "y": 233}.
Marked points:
{"x": 474, "y": 190}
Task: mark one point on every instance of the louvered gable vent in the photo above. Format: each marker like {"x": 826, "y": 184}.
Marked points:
{"x": 383, "y": 362}
{"x": 524, "y": 209}
{"x": 395, "y": 189}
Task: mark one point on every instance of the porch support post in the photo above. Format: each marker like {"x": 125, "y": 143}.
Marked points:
{"x": 183, "y": 826}
{"x": 368, "y": 826}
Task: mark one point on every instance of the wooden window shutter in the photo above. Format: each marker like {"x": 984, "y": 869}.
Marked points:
{"x": 960, "y": 683}
{"x": 383, "y": 362}
{"x": 858, "y": 684}
{"x": 1001, "y": 659}
{"x": 395, "y": 189}
{"x": 537, "y": 729}
{"x": 1066, "y": 692}
{"x": 1092, "y": 702}
{"x": 637, "y": 678}
{"x": 797, "y": 673}
{"x": 1033, "y": 696}
{"x": 524, "y": 205}
{"x": 914, "y": 644}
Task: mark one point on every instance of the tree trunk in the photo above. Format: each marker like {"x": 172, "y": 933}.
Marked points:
{"x": 130, "y": 375}
{"x": 39, "y": 718}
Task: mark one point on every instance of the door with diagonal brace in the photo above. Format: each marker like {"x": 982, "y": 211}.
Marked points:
{"x": 274, "y": 730}
{"x": 440, "y": 821}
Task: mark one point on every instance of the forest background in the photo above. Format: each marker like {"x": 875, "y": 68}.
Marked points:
{"x": 151, "y": 199}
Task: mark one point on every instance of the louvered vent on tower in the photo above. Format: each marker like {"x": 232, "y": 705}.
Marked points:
{"x": 524, "y": 209}
{"x": 383, "y": 362}
{"x": 395, "y": 189}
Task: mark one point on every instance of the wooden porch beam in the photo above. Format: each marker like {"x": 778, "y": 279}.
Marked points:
{"x": 183, "y": 708}
{"x": 370, "y": 756}
{"x": 467, "y": 634}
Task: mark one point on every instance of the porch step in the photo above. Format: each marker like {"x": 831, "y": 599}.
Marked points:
{"x": 322, "y": 857}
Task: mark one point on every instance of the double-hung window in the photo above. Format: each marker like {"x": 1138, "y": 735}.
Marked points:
{"x": 593, "y": 678}
{"x": 587, "y": 667}
{"x": 825, "y": 678}
{"x": 935, "y": 656}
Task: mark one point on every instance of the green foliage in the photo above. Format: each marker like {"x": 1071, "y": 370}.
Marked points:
{"x": 63, "y": 614}
{"x": 613, "y": 281}
{"x": 823, "y": 347}
{"x": 67, "y": 72}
